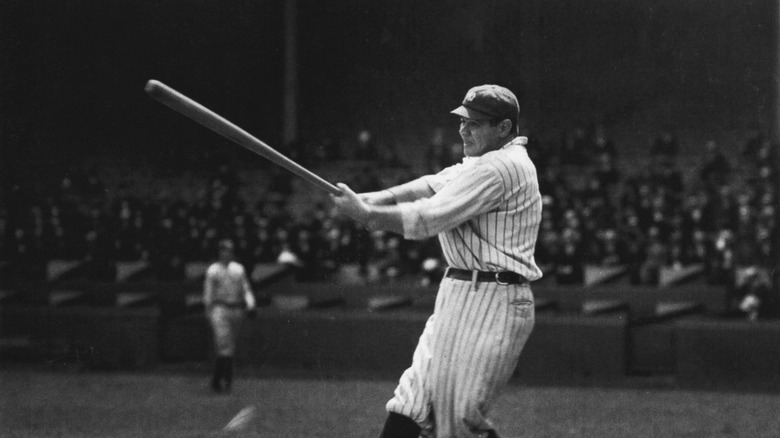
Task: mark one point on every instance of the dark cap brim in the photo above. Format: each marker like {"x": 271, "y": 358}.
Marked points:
{"x": 469, "y": 113}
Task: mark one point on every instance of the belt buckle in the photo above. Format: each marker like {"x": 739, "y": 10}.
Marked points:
{"x": 498, "y": 279}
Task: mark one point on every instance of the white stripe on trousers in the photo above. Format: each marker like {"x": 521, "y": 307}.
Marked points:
{"x": 465, "y": 356}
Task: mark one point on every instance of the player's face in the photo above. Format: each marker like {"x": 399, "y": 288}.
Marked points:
{"x": 479, "y": 136}
{"x": 225, "y": 254}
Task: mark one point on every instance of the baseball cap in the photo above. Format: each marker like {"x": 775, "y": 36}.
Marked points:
{"x": 485, "y": 102}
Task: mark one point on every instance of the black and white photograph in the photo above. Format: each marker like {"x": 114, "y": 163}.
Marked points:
{"x": 389, "y": 218}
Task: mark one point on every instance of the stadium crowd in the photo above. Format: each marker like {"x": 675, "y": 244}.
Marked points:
{"x": 720, "y": 214}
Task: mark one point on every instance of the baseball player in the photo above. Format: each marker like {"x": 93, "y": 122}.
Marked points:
{"x": 227, "y": 297}
{"x": 486, "y": 211}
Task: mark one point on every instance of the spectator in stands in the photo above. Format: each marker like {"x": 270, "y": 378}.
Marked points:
{"x": 699, "y": 249}
{"x": 656, "y": 258}
{"x": 635, "y": 247}
{"x": 666, "y": 178}
{"x": 720, "y": 209}
{"x": 387, "y": 259}
{"x": 331, "y": 257}
{"x": 265, "y": 249}
{"x": 664, "y": 149}
{"x": 26, "y": 262}
{"x": 49, "y": 220}
{"x": 366, "y": 179}
{"x": 753, "y": 296}
{"x": 606, "y": 172}
{"x": 437, "y": 152}
{"x": 281, "y": 186}
{"x": 100, "y": 262}
{"x": 244, "y": 247}
{"x": 722, "y": 259}
{"x": 602, "y": 144}
{"x": 610, "y": 251}
{"x": 677, "y": 249}
{"x": 715, "y": 171}
{"x": 551, "y": 180}
{"x": 759, "y": 151}
{"x": 165, "y": 258}
{"x": 308, "y": 252}
{"x": 569, "y": 269}
{"x": 365, "y": 147}
{"x": 54, "y": 242}
{"x": 577, "y": 148}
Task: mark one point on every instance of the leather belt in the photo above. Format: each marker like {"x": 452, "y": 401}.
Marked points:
{"x": 503, "y": 277}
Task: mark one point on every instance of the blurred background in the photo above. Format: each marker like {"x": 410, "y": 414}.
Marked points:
{"x": 653, "y": 126}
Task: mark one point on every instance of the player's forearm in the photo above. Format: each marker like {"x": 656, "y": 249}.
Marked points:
{"x": 383, "y": 217}
{"x": 382, "y": 197}
{"x": 369, "y": 215}
{"x": 411, "y": 191}
{"x": 249, "y": 297}
{"x": 250, "y": 301}
{"x": 207, "y": 295}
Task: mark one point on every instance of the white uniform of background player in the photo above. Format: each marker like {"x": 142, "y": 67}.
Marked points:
{"x": 486, "y": 212}
{"x": 227, "y": 297}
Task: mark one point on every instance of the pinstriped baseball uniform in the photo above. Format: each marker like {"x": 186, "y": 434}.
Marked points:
{"x": 226, "y": 294}
{"x": 486, "y": 211}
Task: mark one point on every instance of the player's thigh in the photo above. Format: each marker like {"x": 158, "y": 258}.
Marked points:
{"x": 491, "y": 354}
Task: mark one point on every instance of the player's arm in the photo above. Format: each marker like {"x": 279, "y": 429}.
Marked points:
{"x": 208, "y": 290}
{"x": 477, "y": 190}
{"x": 408, "y": 192}
{"x": 249, "y": 297}
{"x": 382, "y": 197}
{"x": 420, "y": 188}
{"x": 372, "y": 216}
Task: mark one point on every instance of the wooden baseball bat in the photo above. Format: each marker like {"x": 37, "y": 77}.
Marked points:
{"x": 188, "y": 107}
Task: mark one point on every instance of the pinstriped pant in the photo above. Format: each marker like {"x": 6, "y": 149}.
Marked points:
{"x": 225, "y": 323}
{"x": 465, "y": 356}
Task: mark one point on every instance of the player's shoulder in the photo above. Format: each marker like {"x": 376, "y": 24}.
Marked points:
{"x": 236, "y": 266}
{"x": 509, "y": 156}
{"x": 212, "y": 268}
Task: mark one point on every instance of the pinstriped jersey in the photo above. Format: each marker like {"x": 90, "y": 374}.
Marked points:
{"x": 486, "y": 211}
{"x": 226, "y": 283}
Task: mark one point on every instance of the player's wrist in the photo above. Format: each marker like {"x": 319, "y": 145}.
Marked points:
{"x": 366, "y": 216}
{"x": 388, "y": 197}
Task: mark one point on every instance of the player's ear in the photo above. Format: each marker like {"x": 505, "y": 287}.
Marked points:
{"x": 506, "y": 127}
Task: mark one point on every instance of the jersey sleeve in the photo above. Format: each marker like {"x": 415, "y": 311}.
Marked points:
{"x": 464, "y": 193}
{"x": 208, "y": 286}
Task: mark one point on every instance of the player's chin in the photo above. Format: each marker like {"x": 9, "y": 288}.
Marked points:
{"x": 470, "y": 150}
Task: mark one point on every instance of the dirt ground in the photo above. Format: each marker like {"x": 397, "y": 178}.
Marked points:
{"x": 169, "y": 404}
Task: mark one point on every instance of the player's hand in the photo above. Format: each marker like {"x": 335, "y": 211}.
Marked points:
{"x": 349, "y": 204}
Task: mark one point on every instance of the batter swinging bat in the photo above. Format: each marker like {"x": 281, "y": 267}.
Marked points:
{"x": 184, "y": 105}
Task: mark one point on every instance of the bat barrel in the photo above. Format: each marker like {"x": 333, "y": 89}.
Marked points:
{"x": 204, "y": 116}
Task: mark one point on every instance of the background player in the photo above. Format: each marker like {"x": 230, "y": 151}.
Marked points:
{"x": 486, "y": 211}
{"x": 227, "y": 297}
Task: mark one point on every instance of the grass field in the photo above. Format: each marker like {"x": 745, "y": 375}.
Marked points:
{"x": 173, "y": 404}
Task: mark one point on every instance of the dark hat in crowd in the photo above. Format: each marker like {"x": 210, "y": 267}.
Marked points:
{"x": 487, "y": 102}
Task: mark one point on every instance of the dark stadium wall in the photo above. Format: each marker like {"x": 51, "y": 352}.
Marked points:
{"x": 73, "y": 72}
